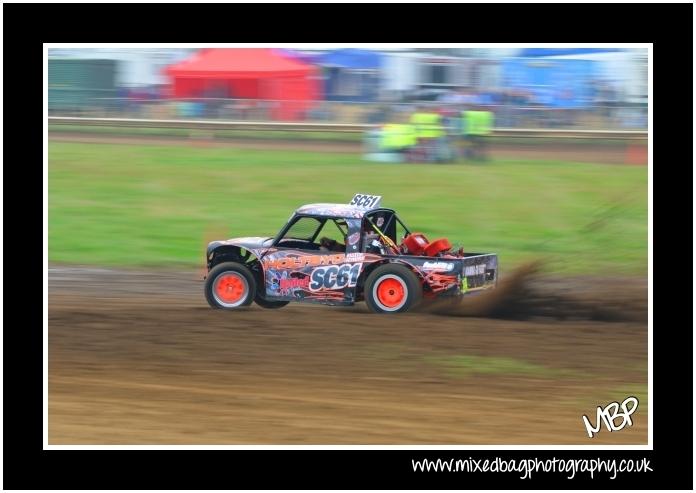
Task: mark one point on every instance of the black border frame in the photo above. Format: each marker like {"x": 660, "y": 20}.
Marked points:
{"x": 26, "y": 26}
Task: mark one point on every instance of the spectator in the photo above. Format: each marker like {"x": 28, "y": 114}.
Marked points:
{"x": 451, "y": 123}
{"x": 429, "y": 130}
{"x": 399, "y": 139}
{"x": 478, "y": 128}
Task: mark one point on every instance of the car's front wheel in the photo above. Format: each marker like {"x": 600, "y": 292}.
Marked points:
{"x": 392, "y": 288}
{"x": 229, "y": 286}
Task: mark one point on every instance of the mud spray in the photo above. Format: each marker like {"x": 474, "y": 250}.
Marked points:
{"x": 524, "y": 294}
{"x": 495, "y": 302}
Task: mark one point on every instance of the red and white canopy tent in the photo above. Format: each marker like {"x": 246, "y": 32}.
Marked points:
{"x": 253, "y": 73}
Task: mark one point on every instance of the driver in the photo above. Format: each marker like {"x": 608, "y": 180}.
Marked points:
{"x": 371, "y": 240}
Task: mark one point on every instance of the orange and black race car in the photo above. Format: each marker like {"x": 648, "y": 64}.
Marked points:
{"x": 339, "y": 254}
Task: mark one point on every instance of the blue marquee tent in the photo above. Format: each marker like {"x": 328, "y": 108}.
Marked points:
{"x": 351, "y": 74}
{"x": 351, "y": 58}
{"x": 557, "y": 83}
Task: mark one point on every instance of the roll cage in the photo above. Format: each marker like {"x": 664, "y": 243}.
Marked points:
{"x": 340, "y": 222}
{"x": 347, "y": 226}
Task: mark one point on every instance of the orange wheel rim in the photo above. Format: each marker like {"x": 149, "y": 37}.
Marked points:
{"x": 390, "y": 293}
{"x": 230, "y": 288}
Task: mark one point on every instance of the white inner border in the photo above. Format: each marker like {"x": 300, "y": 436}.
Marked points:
{"x": 385, "y": 46}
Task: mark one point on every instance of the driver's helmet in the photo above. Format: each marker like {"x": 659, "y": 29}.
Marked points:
{"x": 371, "y": 239}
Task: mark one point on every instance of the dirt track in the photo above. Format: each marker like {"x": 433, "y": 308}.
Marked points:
{"x": 564, "y": 152}
{"x": 137, "y": 357}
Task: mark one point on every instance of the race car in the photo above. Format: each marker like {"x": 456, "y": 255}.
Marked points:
{"x": 340, "y": 254}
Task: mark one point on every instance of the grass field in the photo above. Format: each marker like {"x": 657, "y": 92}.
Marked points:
{"x": 157, "y": 205}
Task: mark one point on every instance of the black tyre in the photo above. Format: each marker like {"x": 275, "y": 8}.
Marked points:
{"x": 392, "y": 288}
{"x": 229, "y": 286}
{"x": 263, "y": 302}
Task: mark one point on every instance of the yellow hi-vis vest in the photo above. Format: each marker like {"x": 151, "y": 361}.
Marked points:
{"x": 390, "y": 137}
{"x": 419, "y": 122}
{"x": 409, "y": 135}
{"x": 433, "y": 125}
{"x": 478, "y": 122}
{"x": 397, "y": 136}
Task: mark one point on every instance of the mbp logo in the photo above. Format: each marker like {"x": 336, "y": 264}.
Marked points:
{"x": 335, "y": 277}
{"x": 609, "y": 414}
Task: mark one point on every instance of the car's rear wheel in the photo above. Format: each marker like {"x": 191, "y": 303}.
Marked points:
{"x": 229, "y": 286}
{"x": 392, "y": 288}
